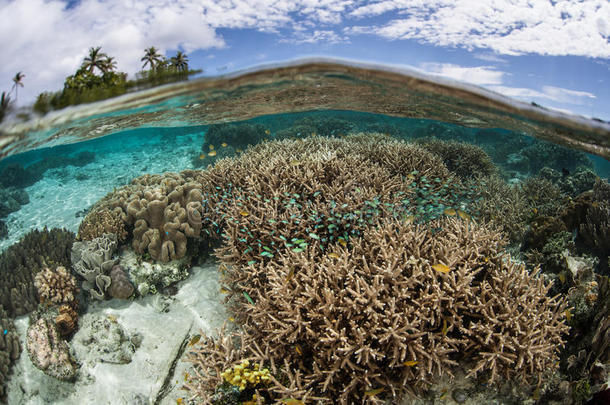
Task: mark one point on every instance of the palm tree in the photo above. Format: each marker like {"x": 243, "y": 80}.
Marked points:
{"x": 180, "y": 61}
{"x": 109, "y": 64}
{"x": 5, "y": 102}
{"x": 151, "y": 57}
{"x": 17, "y": 82}
{"x": 96, "y": 59}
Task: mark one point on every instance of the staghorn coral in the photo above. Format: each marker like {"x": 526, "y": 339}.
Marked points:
{"x": 10, "y": 350}
{"x": 93, "y": 260}
{"x": 56, "y": 287}
{"x": 20, "y": 263}
{"x": 386, "y": 313}
{"x": 48, "y": 351}
{"x": 465, "y": 160}
{"x": 595, "y": 231}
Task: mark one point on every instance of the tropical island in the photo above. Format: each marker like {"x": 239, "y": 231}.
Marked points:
{"x": 97, "y": 79}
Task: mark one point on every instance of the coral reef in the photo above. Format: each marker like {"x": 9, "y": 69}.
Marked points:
{"x": 149, "y": 278}
{"x": 11, "y": 200}
{"x": 389, "y": 314}
{"x": 3, "y": 230}
{"x": 595, "y": 231}
{"x": 20, "y": 263}
{"x": 541, "y": 154}
{"x": 93, "y": 261}
{"x": 321, "y": 125}
{"x": 102, "y": 221}
{"x": 583, "y": 179}
{"x": 464, "y": 159}
{"x": 56, "y": 287}
{"x": 237, "y": 135}
{"x": 120, "y": 286}
{"x": 48, "y": 351}
{"x": 14, "y": 175}
{"x": 10, "y": 350}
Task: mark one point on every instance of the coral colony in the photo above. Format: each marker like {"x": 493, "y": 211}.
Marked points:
{"x": 357, "y": 268}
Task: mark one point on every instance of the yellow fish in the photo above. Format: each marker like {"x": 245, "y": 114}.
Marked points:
{"x": 294, "y": 163}
{"x": 441, "y": 268}
{"x": 244, "y": 213}
{"x": 179, "y": 401}
{"x": 568, "y": 315}
{"x": 333, "y": 255}
{"x": 224, "y": 144}
{"x": 410, "y": 363}
{"x": 224, "y": 290}
{"x": 238, "y": 150}
{"x": 211, "y": 147}
{"x": 186, "y": 376}
{"x": 212, "y": 153}
{"x": 342, "y": 242}
{"x": 535, "y": 210}
{"x": 267, "y": 131}
{"x": 292, "y": 401}
{"x": 202, "y": 156}
{"x": 409, "y": 219}
{"x": 297, "y": 348}
{"x": 463, "y": 215}
{"x": 112, "y": 318}
{"x": 290, "y": 274}
{"x": 372, "y": 393}
{"x": 450, "y": 211}
{"x": 231, "y": 319}
{"x": 445, "y": 328}
{"x": 562, "y": 278}
{"x": 194, "y": 340}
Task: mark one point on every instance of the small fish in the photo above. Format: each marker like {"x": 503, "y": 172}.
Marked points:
{"x": 224, "y": 144}
{"x": 194, "y": 340}
{"x": 244, "y": 213}
{"x": 535, "y": 210}
{"x": 211, "y": 147}
{"x": 486, "y": 259}
{"x": 292, "y": 401}
{"x": 231, "y": 319}
{"x": 267, "y": 131}
{"x": 186, "y": 376}
{"x": 372, "y": 393}
{"x": 450, "y": 211}
{"x": 443, "y": 395}
{"x": 179, "y": 401}
{"x": 224, "y": 290}
{"x": 463, "y": 215}
{"x": 248, "y": 298}
{"x": 342, "y": 242}
{"x": 441, "y": 268}
{"x": 568, "y": 315}
{"x": 212, "y": 153}
{"x": 290, "y": 274}
{"x": 410, "y": 363}
{"x": 445, "y": 328}
{"x": 238, "y": 150}
{"x": 409, "y": 219}
{"x": 562, "y": 278}
{"x": 202, "y": 156}
{"x": 294, "y": 163}
{"x": 297, "y": 348}
{"x": 333, "y": 255}
{"x": 112, "y": 318}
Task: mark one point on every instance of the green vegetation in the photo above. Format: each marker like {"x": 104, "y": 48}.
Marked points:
{"x": 97, "y": 79}
{"x": 6, "y": 103}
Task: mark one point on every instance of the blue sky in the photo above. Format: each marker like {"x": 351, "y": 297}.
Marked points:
{"x": 556, "y": 53}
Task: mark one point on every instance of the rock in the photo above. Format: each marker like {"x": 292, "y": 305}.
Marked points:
{"x": 48, "y": 351}
{"x": 120, "y": 286}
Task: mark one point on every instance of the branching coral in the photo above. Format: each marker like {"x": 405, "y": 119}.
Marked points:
{"x": 102, "y": 221}
{"x": 595, "y": 232}
{"x": 395, "y": 311}
{"x": 10, "y": 349}
{"x": 464, "y": 159}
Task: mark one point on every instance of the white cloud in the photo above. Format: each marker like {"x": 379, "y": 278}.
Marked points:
{"x": 512, "y": 27}
{"x": 479, "y": 75}
{"x": 549, "y": 93}
{"x": 306, "y": 37}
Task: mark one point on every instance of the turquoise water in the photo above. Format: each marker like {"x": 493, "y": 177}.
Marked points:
{"x": 266, "y": 210}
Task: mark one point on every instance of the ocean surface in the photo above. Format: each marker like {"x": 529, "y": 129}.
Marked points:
{"x": 316, "y": 232}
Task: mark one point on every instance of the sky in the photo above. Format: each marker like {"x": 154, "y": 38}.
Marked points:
{"x": 552, "y": 52}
